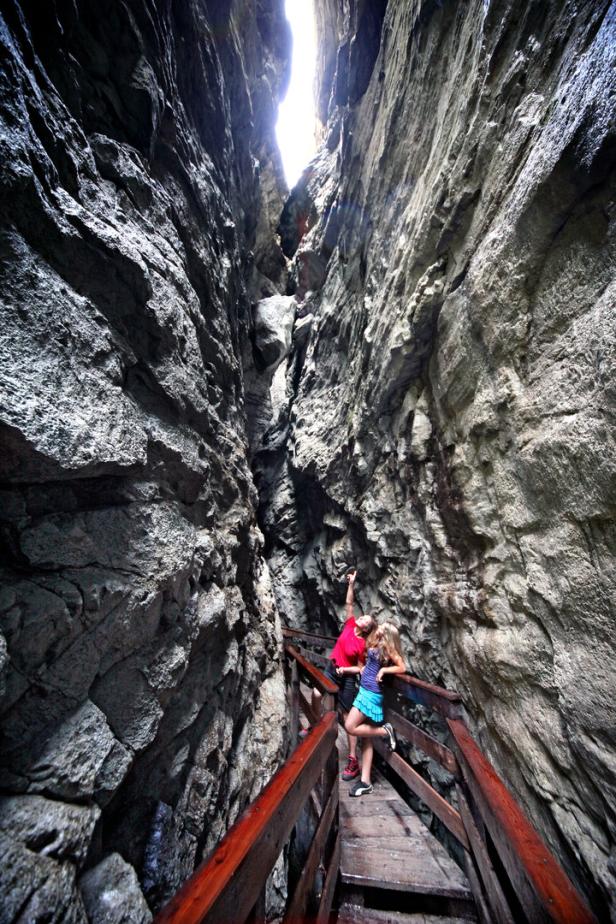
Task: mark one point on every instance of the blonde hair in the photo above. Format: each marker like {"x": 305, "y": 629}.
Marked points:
{"x": 388, "y": 643}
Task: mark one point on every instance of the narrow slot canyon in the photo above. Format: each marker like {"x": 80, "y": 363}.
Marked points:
{"x": 219, "y": 395}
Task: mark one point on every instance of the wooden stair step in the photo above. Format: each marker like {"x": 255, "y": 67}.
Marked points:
{"x": 357, "y": 914}
{"x": 385, "y": 845}
{"x": 404, "y": 866}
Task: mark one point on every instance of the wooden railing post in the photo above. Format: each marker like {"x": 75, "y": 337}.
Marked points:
{"x": 259, "y": 912}
{"x": 228, "y": 885}
{"x": 499, "y": 906}
{"x": 539, "y": 882}
{"x": 294, "y": 704}
{"x": 329, "y": 702}
{"x": 541, "y": 885}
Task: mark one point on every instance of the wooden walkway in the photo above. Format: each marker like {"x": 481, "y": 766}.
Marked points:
{"x": 386, "y": 848}
{"x": 370, "y": 858}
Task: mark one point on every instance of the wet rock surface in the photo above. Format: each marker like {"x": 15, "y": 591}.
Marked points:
{"x": 450, "y": 416}
{"x": 140, "y": 188}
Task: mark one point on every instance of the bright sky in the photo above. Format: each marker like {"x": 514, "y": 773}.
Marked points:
{"x": 296, "y": 118}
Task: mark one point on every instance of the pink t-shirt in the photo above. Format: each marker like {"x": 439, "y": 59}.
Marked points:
{"x": 350, "y": 648}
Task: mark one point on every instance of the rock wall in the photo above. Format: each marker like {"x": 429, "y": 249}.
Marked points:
{"x": 142, "y": 702}
{"x": 450, "y": 405}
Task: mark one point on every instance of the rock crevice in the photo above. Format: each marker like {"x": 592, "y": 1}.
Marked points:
{"x": 451, "y": 414}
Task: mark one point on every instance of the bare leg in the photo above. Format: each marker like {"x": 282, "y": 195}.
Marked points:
{"x": 367, "y": 753}
{"x": 352, "y": 739}
{"x": 357, "y": 725}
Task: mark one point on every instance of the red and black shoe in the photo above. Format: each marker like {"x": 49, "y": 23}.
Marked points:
{"x": 351, "y": 771}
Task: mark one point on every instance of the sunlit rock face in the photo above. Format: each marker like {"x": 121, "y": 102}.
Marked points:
{"x": 450, "y": 415}
{"x": 142, "y": 702}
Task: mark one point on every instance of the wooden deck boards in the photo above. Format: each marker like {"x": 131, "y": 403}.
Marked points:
{"x": 355, "y": 914}
{"x": 385, "y": 845}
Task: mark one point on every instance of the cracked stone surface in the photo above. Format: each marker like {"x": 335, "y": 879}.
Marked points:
{"x": 450, "y": 422}
{"x": 111, "y": 894}
{"x": 431, "y": 399}
{"x": 139, "y": 637}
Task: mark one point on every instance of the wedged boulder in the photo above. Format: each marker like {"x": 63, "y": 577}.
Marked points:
{"x": 273, "y": 325}
{"x": 111, "y": 893}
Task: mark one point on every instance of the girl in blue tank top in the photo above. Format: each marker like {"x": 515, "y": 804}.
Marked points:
{"x": 365, "y": 720}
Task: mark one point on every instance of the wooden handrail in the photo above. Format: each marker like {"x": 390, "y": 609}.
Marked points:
{"x": 447, "y": 702}
{"x": 421, "y": 739}
{"x": 435, "y": 802}
{"x": 226, "y": 886}
{"x": 308, "y": 636}
{"x": 547, "y": 893}
{"x": 312, "y": 673}
{"x": 450, "y": 695}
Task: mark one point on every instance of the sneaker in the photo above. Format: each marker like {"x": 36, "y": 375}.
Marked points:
{"x": 304, "y": 732}
{"x": 391, "y": 743}
{"x": 360, "y": 789}
{"x": 351, "y": 770}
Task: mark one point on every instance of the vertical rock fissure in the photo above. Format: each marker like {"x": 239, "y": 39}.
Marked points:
{"x": 213, "y": 401}
{"x": 447, "y": 422}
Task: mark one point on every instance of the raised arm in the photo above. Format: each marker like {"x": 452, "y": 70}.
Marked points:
{"x": 350, "y": 592}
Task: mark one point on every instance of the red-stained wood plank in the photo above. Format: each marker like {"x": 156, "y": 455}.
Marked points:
{"x": 308, "y": 636}
{"x": 423, "y": 740}
{"x": 543, "y": 888}
{"x": 297, "y": 906}
{"x": 446, "y": 702}
{"x": 316, "y": 677}
{"x": 227, "y": 885}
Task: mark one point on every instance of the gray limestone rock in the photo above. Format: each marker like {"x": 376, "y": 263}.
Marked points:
{"x": 274, "y": 319}
{"x": 111, "y": 894}
{"x": 35, "y": 887}
{"x": 78, "y": 759}
{"x": 48, "y": 827}
{"x": 141, "y": 187}
{"x": 452, "y": 412}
